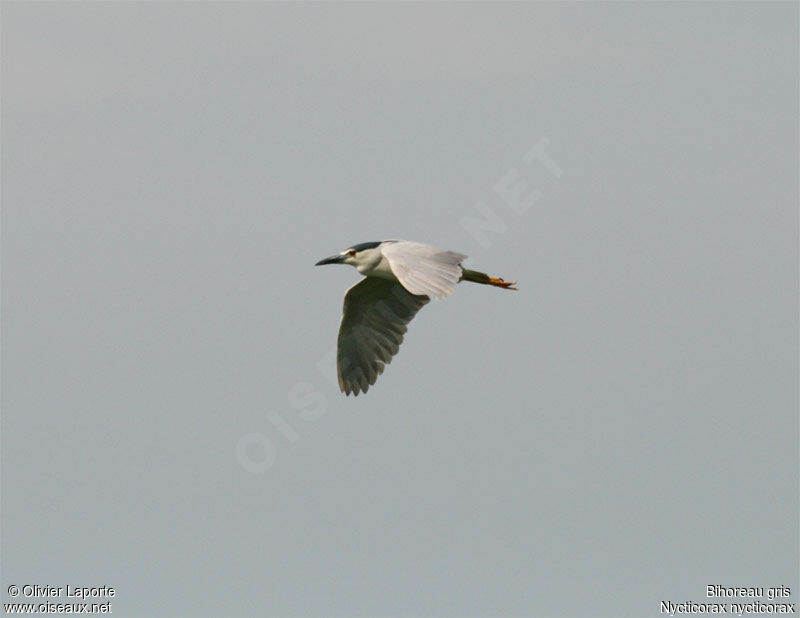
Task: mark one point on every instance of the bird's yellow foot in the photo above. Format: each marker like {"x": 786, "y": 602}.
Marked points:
{"x": 502, "y": 283}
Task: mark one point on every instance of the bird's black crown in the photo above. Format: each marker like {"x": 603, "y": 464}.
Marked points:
{"x": 365, "y": 245}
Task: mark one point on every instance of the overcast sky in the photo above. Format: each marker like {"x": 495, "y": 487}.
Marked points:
{"x": 621, "y": 431}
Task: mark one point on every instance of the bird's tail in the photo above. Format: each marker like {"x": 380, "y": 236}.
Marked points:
{"x": 476, "y": 277}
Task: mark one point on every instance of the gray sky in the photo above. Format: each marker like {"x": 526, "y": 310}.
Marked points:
{"x": 621, "y": 431}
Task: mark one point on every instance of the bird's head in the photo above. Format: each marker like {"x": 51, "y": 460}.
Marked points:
{"x": 355, "y": 256}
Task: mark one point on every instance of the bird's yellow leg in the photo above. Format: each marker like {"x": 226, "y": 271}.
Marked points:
{"x": 508, "y": 285}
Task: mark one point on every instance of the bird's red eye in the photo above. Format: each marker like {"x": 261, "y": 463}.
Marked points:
{"x": 352, "y": 252}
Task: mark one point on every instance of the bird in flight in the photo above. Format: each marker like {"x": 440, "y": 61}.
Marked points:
{"x": 400, "y": 277}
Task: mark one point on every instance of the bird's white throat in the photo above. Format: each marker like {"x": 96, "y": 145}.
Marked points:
{"x": 375, "y": 265}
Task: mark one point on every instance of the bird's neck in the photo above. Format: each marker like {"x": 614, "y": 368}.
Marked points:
{"x": 375, "y": 265}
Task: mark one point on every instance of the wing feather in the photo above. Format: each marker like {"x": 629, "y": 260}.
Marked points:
{"x": 423, "y": 269}
{"x": 376, "y": 312}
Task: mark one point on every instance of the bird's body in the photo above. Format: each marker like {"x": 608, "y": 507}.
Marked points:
{"x": 401, "y": 277}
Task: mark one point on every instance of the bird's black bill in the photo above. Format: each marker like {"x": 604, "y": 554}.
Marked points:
{"x": 334, "y": 259}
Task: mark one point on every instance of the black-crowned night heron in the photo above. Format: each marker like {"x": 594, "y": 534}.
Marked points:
{"x": 401, "y": 276}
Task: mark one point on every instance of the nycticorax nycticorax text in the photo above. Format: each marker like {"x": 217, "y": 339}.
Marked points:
{"x": 401, "y": 276}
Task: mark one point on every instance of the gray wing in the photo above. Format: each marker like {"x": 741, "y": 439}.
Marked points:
{"x": 423, "y": 269}
{"x": 376, "y": 312}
